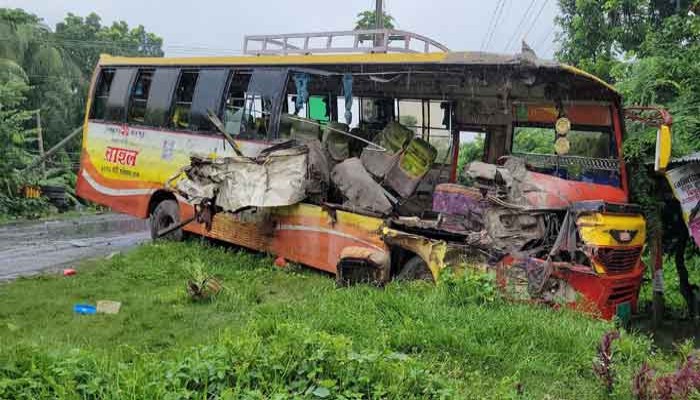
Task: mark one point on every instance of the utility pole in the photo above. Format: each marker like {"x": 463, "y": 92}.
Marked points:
{"x": 379, "y": 22}
{"x": 40, "y": 139}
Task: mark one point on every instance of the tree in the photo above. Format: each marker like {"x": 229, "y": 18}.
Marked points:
{"x": 367, "y": 20}
{"x": 650, "y": 49}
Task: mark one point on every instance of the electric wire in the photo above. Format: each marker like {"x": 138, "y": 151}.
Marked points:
{"x": 491, "y": 23}
{"x": 525, "y": 17}
{"x": 534, "y": 22}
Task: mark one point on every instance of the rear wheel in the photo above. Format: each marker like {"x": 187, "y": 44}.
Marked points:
{"x": 165, "y": 215}
{"x": 415, "y": 269}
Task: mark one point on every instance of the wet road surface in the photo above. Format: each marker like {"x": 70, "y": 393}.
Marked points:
{"x": 29, "y": 248}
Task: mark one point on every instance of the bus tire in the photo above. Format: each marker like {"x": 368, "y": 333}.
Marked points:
{"x": 166, "y": 214}
{"x": 415, "y": 269}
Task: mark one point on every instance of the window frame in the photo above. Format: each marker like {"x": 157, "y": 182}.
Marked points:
{"x": 97, "y": 95}
{"x": 132, "y": 100}
{"x": 175, "y": 102}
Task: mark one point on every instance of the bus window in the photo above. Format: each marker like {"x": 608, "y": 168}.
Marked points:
{"x": 161, "y": 96}
{"x": 139, "y": 96}
{"x": 119, "y": 94}
{"x": 99, "y": 103}
{"x": 439, "y": 129}
{"x": 377, "y": 112}
{"x": 183, "y": 100}
{"x": 233, "y": 104}
{"x": 411, "y": 115}
{"x": 207, "y": 97}
{"x": 583, "y": 143}
{"x": 263, "y": 104}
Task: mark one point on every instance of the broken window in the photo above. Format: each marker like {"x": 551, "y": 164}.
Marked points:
{"x": 183, "y": 99}
{"x": 262, "y": 105}
{"x": 439, "y": 129}
{"x": 99, "y": 104}
{"x": 234, "y": 102}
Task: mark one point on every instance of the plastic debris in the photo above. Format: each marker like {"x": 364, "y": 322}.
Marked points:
{"x": 108, "y": 307}
{"x": 84, "y": 309}
{"x": 69, "y": 272}
{"x": 280, "y": 262}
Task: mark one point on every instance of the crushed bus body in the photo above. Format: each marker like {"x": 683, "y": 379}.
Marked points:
{"x": 348, "y": 163}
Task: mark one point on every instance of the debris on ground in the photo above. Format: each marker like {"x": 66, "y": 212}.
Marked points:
{"x": 84, "y": 309}
{"x": 69, "y": 272}
{"x": 280, "y": 262}
{"x": 108, "y": 307}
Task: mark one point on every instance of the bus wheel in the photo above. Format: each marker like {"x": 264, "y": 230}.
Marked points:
{"x": 415, "y": 269}
{"x": 165, "y": 215}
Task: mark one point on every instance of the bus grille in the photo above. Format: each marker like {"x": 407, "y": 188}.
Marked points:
{"x": 618, "y": 261}
{"x": 623, "y": 291}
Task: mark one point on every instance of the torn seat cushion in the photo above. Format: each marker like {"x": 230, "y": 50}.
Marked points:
{"x": 414, "y": 163}
{"x": 337, "y": 144}
{"x": 394, "y": 137}
{"x": 305, "y": 129}
{"x": 358, "y": 187}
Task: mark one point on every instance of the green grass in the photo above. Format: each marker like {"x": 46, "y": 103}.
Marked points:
{"x": 287, "y": 333}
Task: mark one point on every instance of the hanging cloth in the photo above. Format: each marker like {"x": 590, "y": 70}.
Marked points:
{"x": 347, "y": 90}
{"x": 301, "y": 81}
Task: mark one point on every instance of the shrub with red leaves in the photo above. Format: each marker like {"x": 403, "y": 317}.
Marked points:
{"x": 677, "y": 385}
{"x": 642, "y": 383}
{"x": 602, "y": 366}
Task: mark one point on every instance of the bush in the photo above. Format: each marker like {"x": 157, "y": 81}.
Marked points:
{"x": 469, "y": 287}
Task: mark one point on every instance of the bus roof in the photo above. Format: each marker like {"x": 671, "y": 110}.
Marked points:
{"x": 525, "y": 60}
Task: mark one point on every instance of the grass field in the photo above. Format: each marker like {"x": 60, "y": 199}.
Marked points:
{"x": 289, "y": 333}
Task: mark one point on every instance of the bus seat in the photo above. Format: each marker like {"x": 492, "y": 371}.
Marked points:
{"x": 337, "y": 144}
{"x": 394, "y": 138}
{"x": 413, "y": 165}
{"x": 305, "y": 129}
{"x": 358, "y": 188}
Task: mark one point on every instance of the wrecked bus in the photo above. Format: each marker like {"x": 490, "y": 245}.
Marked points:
{"x": 349, "y": 163}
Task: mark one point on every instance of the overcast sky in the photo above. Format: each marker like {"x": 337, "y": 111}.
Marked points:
{"x": 218, "y": 26}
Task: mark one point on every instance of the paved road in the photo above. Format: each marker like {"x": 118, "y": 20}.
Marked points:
{"x": 33, "y": 247}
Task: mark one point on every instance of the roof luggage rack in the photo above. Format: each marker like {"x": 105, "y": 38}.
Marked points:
{"x": 380, "y": 41}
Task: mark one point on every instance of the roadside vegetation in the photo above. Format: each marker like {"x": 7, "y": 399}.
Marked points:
{"x": 280, "y": 333}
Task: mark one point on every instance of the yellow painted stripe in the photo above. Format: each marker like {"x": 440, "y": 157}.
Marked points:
{"x": 588, "y": 75}
{"x": 107, "y": 60}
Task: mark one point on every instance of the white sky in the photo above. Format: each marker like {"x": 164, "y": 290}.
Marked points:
{"x": 218, "y": 26}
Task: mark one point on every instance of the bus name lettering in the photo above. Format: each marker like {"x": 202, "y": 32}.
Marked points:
{"x": 117, "y": 155}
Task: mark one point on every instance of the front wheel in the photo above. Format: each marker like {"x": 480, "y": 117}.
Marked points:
{"x": 166, "y": 215}
{"x": 415, "y": 269}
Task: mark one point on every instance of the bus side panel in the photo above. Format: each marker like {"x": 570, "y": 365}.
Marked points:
{"x": 122, "y": 166}
{"x": 309, "y": 235}
{"x": 301, "y": 233}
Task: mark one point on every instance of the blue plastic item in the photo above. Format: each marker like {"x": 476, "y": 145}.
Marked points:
{"x": 84, "y": 309}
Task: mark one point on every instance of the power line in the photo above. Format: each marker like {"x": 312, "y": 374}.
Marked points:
{"x": 520, "y": 24}
{"x": 544, "y": 4}
{"x": 491, "y": 22}
{"x": 496, "y": 21}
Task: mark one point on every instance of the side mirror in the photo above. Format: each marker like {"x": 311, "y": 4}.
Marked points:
{"x": 663, "y": 148}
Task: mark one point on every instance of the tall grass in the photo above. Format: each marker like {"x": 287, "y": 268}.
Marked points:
{"x": 289, "y": 333}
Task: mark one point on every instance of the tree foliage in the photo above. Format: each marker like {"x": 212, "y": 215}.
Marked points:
{"x": 49, "y": 71}
{"x": 368, "y": 20}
